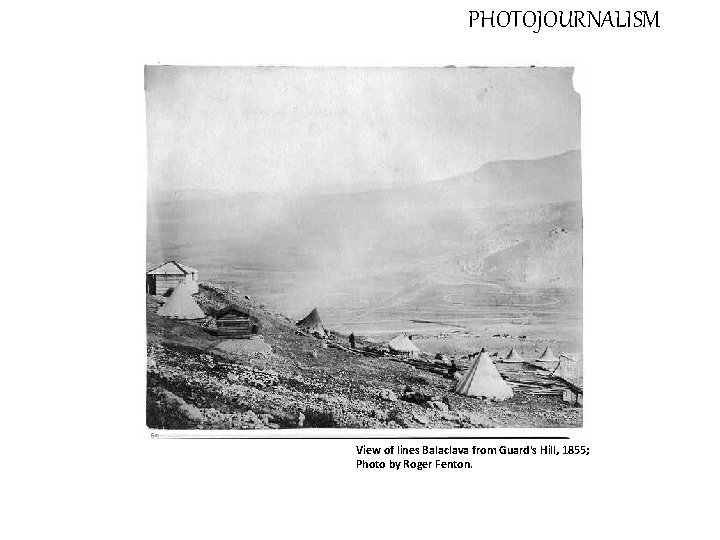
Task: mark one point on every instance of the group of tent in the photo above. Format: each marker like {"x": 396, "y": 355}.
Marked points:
{"x": 546, "y": 357}
{"x": 401, "y": 345}
{"x": 482, "y": 379}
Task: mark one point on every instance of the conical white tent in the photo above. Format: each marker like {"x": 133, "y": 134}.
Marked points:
{"x": 514, "y": 356}
{"x": 548, "y": 356}
{"x": 192, "y": 285}
{"x": 482, "y": 379}
{"x": 312, "y": 323}
{"x": 181, "y": 305}
{"x": 404, "y": 347}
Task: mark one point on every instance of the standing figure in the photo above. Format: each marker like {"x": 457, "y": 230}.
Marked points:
{"x": 352, "y": 341}
{"x": 453, "y": 369}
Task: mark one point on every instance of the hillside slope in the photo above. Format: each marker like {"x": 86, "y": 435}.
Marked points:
{"x": 555, "y": 259}
{"x": 198, "y": 381}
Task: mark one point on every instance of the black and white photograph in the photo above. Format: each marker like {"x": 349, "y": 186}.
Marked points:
{"x": 363, "y": 248}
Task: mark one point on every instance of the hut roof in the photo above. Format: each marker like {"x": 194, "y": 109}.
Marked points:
{"x": 403, "y": 344}
{"x": 232, "y": 308}
{"x": 173, "y": 268}
{"x": 482, "y": 379}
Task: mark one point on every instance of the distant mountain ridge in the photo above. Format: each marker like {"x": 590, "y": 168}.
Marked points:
{"x": 496, "y": 222}
{"x": 547, "y": 180}
{"x": 558, "y": 174}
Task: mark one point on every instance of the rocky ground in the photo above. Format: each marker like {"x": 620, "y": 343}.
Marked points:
{"x": 289, "y": 379}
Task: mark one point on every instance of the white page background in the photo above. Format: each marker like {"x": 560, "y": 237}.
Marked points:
{"x": 80, "y": 462}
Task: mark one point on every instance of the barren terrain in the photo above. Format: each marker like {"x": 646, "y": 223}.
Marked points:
{"x": 290, "y": 380}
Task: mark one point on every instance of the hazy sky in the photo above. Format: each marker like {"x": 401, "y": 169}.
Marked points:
{"x": 269, "y": 129}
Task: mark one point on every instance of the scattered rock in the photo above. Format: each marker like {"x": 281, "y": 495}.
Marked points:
{"x": 244, "y": 347}
{"x": 439, "y": 405}
{"x": 250, "y": 416}
{"x": 301, "y": 420}
{"x": 380, "y": 415}
{"x": 399, "y": 418}
{"x": 424, "y": 420}
{"x": 312, "y": 354}
{"x": 479, "y": 420}
{"x": 415, "y": 396}
{"x": 388, "y": 395}
{"x": 175, "y": 411}
{"x": 233, "y": 377}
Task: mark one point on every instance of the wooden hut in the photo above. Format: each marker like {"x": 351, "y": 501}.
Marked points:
{"x": 164, "y": 278}
{"x": 233, "y": 322}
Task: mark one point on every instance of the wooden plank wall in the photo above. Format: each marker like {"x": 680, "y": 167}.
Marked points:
{"x": 165, "y": 283}
{"x": 234, "y": 327}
